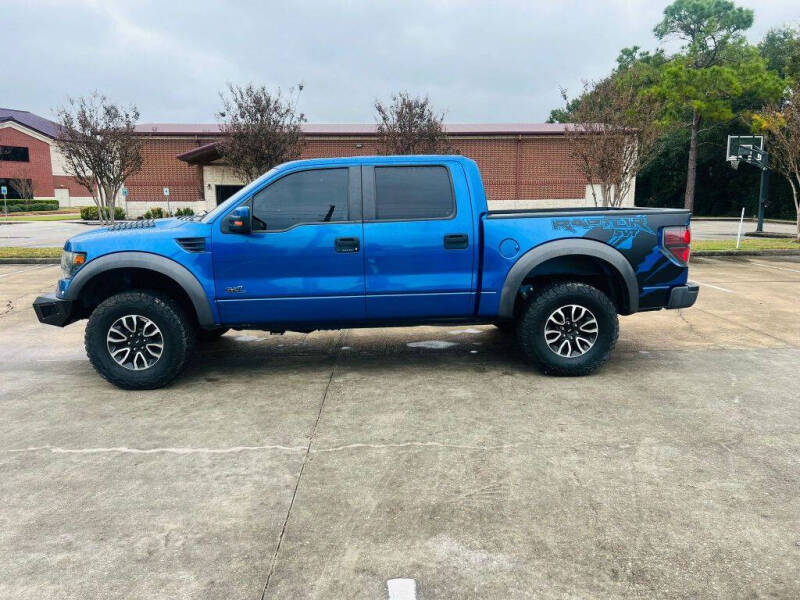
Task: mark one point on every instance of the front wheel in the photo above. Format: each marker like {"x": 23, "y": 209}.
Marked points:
{"x": 139, "y": 340}
{"x": 568, "y": 328}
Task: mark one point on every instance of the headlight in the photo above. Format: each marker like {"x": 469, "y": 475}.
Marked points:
{"x": 71, "y": 262}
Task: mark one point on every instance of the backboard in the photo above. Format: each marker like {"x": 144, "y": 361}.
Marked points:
{"x": 737, "y": 141}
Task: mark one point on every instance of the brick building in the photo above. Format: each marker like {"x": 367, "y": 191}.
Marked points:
{"x": 523, "y": 165}
{"x": 28, "y": 152}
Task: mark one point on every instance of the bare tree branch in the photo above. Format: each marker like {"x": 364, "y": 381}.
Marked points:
{"x": 781, "y": 126}
{"x": 613, "y": 136}
{"x": 100, "y": 148}
{"x": 261, "y": 129}
{"x": 410, "y": 126}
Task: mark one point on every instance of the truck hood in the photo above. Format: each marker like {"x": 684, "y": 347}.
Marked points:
{"x": 135, "y": 235}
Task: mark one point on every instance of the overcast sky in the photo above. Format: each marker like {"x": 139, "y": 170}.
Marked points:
{"x": 478, "y": 61}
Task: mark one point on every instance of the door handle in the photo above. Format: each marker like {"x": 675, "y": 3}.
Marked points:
{"x": 347, "y": 244}
{"x": 456, "y": 241}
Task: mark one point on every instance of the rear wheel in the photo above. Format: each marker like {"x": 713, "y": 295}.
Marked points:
{"x": 568, "y": 328}
{"x": 139, "y": 340}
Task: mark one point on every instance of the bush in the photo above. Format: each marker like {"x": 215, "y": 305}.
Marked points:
{"x": 18, "y": 205}
{"x": 160, "y": 213}
{"x": 89, "y": 213}
{"x": 155, "y": 213}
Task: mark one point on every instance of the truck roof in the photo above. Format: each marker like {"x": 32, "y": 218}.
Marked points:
{"x": 379, "y": 159}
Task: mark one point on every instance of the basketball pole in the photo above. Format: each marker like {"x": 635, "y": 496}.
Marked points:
{"x": 762, "y": 196}
{"x": 757, "y": 157}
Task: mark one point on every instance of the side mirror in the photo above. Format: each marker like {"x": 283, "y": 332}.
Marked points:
{"x": 240, "y": 220}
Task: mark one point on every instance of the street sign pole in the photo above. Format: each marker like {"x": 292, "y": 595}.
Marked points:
{"x": 4, "y": 191}
{"x": 166, "y": 195}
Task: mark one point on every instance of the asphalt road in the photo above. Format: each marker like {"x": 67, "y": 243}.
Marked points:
{"x": 40, "y": 234}
{"x": 55, "y": 233}
{"x": 322, "y": 466}
{"x": 722, "y": 230}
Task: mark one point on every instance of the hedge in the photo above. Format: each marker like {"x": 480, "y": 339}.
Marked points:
{"x": 89, "y": 213}
{"x": 20, "y": 205}
{"x": 15, "y": 201}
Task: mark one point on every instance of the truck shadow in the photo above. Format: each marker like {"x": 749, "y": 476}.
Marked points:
{"x": 239, "y": 354}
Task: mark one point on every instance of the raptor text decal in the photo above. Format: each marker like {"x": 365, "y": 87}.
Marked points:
{"x": 623, "y": 230}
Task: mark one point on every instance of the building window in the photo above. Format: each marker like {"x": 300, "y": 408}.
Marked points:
{"x": 14, "y": 153}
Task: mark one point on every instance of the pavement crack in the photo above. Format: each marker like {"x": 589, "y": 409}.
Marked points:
{"x": 177, "y": 450}
{"x": 274, "y": 561}
{"x": 683, "y": 318}
{"x": 416, "y": 445}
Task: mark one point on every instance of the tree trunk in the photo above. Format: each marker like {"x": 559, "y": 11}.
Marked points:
{"x": 691, "y": 171}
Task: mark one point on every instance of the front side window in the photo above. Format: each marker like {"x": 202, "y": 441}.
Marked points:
{"x": 14, "y": 153}
{"x": 408, "y": 193}
{"x": 316, "y": 196}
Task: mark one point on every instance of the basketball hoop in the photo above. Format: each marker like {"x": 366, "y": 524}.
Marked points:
{"x": 734, "y": 163}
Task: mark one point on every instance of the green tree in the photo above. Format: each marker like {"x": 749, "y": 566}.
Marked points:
{"x": 697, "y": 83}
{"x": 781, "y": 49}
{"x": 714, "y": 94}
{"x": 636, "y": 69}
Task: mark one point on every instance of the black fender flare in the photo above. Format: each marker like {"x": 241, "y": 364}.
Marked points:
{"x": 151, "y": 262}
{"x": 549, "y": 250}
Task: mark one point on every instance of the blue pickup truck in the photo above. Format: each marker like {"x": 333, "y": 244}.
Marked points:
{"x": 367, "y": 242}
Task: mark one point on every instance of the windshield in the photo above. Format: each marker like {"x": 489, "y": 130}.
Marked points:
{"x": 236, "y": 197}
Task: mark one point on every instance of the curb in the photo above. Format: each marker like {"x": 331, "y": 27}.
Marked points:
{"x": 746, "y": 220}
{"x": 30, "y": 261}
{"x": 767, "y": 252}
{"x": 770, "y": 234}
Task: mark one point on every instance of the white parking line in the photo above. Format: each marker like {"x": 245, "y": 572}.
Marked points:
{"x": 716, "y": 287}
{"x": 774, "y": 267}
{"x": 26, "y": 270}
{"x": 402, "y": 589}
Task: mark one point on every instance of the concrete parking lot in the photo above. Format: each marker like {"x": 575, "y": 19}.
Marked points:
{"x": 322, "y": 466}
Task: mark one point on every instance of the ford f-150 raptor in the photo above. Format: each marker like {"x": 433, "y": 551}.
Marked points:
{"x": 368, "y": 242}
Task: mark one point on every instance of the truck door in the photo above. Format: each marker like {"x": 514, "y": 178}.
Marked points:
{"x": 303, "y": 262}
{"x": 419, "y": 241}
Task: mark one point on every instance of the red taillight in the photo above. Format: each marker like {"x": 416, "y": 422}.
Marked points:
{"x": 677, "y": 240}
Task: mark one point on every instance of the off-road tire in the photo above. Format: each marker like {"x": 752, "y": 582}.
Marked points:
{"x": 176, "y": 329}
{"x": 209, "y": 335}
{"x": 533, "y": 318}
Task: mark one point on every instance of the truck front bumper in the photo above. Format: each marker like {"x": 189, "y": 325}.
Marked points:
{"x": 683, "y": 296}
{"x": 51, "y": 310}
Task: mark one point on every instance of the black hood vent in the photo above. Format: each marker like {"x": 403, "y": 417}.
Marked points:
{"x": 195, "y": 244}
{"x": 143, "y": 224}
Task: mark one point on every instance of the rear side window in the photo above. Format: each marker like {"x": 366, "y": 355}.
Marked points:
{"x": 316, "y": 196}
{"x": 406, "y": 193}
